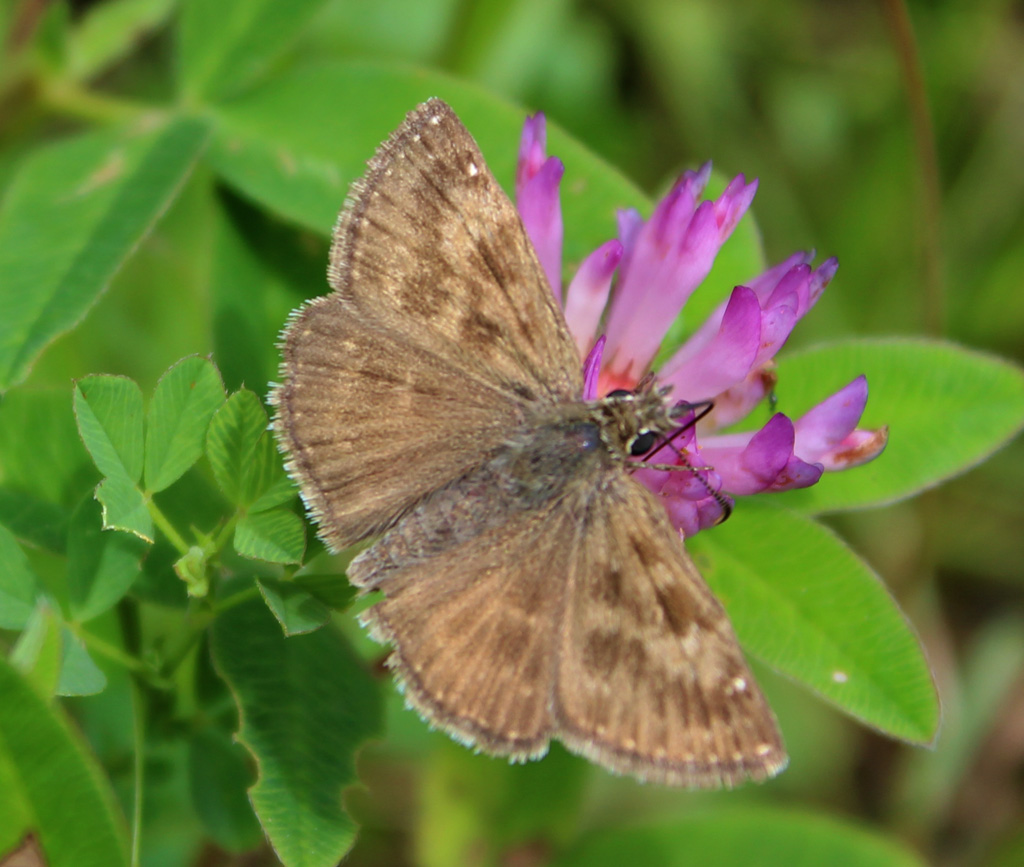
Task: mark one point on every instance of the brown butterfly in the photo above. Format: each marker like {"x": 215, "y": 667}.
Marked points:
{"x": 533, "y": 589}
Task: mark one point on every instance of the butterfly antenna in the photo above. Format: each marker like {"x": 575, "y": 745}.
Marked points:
{"x": 699, "y": 410}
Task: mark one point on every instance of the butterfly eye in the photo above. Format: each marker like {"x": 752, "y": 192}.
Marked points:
{"x": 619, "y": 392}
{"x": 643, "y": 443}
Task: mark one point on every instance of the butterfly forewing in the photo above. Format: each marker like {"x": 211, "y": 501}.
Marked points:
{"x": 651, "y": 680}
{"x": 372, "y": 424}
{"x": 431, "y": 247}
{"x": 440, "y": 329}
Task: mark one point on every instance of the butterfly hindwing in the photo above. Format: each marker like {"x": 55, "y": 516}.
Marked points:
{"x": 474, "y": 629}
{"x": 651, "y": 680}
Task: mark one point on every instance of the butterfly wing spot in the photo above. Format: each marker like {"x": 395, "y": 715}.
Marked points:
{"x": 605, "y": 651}
{"x": 480, "y": 331}
{"x": 472, "y": 169}
{"x": 737, "y": 684}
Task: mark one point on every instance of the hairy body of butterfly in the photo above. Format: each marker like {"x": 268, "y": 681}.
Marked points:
{"x": 532, "y": 588}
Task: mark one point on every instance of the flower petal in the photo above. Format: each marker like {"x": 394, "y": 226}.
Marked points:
{"x": 687, "y": 495}
{"x": 828, "y": 433}
{"x": 537, "y": 180}
{"x": 541, "y": 212}
{"x": 592, "y": 369}
{"x": 532, "y": 149}
{"x": 689, "y": 517}
{"x": 762, "y": 461}
{"x": 668, "y": 258}
{"x": 820, "y": 429}
{"x": 736, "y": 402}
{"x": 703, "y": 368}
{"x": 587, "y": 294}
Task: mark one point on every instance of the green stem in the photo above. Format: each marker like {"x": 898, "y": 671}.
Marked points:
{"x": 225, "y": 533}
{"x": 926, "y": 166}
{"x": 139, "y": 742}
{"x": 105, "y": 648}
{"x": 68, "y": 97}
{"x": 166, "y": 527}
{"x": 237, "y": 599}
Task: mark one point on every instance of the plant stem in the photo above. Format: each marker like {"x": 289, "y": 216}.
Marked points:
{"x": 70, "y": 98}
{"x": 225, "y": 533}
{"x": 105, "y": 648}
{"x": 166, "y": 527}
{"x": 236, "y": 599}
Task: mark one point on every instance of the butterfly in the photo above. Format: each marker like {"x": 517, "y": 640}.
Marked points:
{"x": 532, "y": 588}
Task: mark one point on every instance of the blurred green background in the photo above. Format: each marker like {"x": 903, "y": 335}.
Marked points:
{"x": 889, "y": 135}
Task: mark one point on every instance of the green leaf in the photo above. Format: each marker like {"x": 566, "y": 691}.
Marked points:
{"x": 110, "y": 31}
{"x": 282, "y": 490}
{"x": 33, "y": 521}
{"x": 297, "y": 143}
{"x": 297, "y": 610}
{"x": 185, "y": 400}
{"x": 260, "y": 267}
{"x": 331, "y": 589}
{"x": 44, "y": 768}
{"x": 278, "y": 536}
{"x": 947, "y": 408}
{"x": 49, "y": 39}
{"x": 109, "y": 413}
{"x": 125, "y": 508}
{"x": 102, "y": 564}
{"x": 51, "y": 465}
{"x": 79, "y": 675}
{"x": 219, "y": 773}
{"x": 741, "y": 836}
{"x": 306, "y": 705}
{"x": 19, "y": 586}
{"x": 244, "y": 330}
{"x": 38, "y": 652}
{"x": 225, "y": 45}
{"x": 71, "y": 216}
{"x": 801, "y": 601}
{"x": 237, "y": 447}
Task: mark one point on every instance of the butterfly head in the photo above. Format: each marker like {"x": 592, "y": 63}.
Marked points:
{"x": 633, "y": 422}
